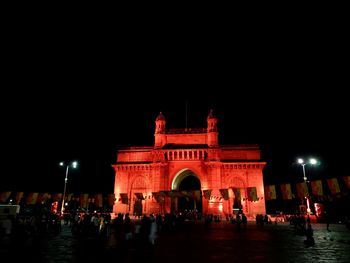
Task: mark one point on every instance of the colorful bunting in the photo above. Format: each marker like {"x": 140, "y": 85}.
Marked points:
{"x": 270, "y": 192}
{"x": 316, "y": 187}
{"x": 207, "y": 193}
{"x": 237, "y": 192}
{"x": 125, "y": 199}
{"x": 333, "y": 185}
{"x": 41, "y": 198}
{"x": 157, "y": 196}
{"x": 139, "y": 196}
{"x": 252, "y": 195}
{"x": 302, "y": 190}
{"x": 19, "y": 196}
{"x": 224, "y": 193}
{"x": 84, "y": 200}
{"x": 347, "y": 181}
{"x": 57, "y": 197}
{"x": 4, "y": 196}
{"x": 99, "y": 200}
{"x": 29, "y": 198}
{"x": 111, "y": 199}
{"x": 286, "y": 192}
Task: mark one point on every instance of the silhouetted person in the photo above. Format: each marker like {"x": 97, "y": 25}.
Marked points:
{"x": 328, "y": 219}
{"x": 310, "y": 241}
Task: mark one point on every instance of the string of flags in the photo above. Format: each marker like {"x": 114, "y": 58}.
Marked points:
{"x": 302, "y": 190}
{"x": 84, "y": 199}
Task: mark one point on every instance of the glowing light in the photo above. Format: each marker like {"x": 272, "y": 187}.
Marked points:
{"x": 313, "y": 161}
{"x": 220, "y": 207}
{"x": 61, "y": 163}
{"x": 300, "y": 161}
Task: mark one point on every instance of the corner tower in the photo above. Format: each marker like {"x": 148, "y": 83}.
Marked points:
{"x": 212, "y": 130}
{"x": 159, "y": 135}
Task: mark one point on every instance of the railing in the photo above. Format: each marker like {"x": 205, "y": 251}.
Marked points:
{"x": 186, "y": 154}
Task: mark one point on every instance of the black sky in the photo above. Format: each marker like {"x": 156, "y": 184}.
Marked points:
{"x": 81, "y": 92}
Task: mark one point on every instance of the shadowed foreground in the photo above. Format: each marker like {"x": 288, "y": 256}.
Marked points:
{"x": 190, "y": 242}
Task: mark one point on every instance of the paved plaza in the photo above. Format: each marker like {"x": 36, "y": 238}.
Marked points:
{"x": 190, "y": 242}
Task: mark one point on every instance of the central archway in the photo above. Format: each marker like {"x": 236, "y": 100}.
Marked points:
{"x": 192, "y": 185}
{"x": 188, "y": 192}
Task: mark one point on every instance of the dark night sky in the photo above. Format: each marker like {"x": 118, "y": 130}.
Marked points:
{"x": 81, "y": 94}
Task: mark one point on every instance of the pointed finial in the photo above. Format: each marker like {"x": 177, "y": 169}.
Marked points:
{"x": 160, "y": 117}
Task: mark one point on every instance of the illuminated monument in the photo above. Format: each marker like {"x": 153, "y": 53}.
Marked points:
{"x": 187, "y": 169}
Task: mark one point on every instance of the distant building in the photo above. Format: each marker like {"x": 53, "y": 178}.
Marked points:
{"x": 187, "y": 169}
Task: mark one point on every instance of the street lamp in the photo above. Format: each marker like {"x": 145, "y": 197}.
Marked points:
{"x": 74, "y": 165}
{"x": 312, "y": 161}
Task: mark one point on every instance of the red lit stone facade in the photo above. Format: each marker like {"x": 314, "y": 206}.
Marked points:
{"x": 179, "y": 153}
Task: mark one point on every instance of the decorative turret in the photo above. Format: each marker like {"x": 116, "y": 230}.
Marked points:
{"x": 212, "y": 130}
{"x": 160, "y": 137}
{"x": 160, "y": 123}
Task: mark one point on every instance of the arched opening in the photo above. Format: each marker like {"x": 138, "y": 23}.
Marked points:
{"x": 190, "y": 198}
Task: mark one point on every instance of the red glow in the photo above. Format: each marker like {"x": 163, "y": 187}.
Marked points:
{"x": 179, "y": 153}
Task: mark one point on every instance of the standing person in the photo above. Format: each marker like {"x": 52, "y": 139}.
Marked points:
{"x": 310, "y": 241}
{"x": 328, "y": 219}
{"x": 127, "y": 228}
{"x": 238, "y": 221}
{"x": 153, "y": 230}
{"x": 308, "y": 219}
{"x": 244, "y": 221}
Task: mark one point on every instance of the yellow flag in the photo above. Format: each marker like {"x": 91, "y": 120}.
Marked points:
{"x": 286, "y": 191}
{"x": 270, "y": 192}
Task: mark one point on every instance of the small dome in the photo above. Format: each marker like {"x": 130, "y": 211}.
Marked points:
{"x": 160, "y": 117}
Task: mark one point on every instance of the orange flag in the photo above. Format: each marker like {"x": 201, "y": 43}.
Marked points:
{"x": 111, "y": 199}
{"x": 98, "y": 200}
{"x": 4, "y": 196}
{"x": 302, "y": 190}
{"x": 316, "y": 187}
{"x": 29, "y": 198}
{"x": 19, "y": 196}
{"x": 333, "y": 185}
{"x": 84, "y": 200}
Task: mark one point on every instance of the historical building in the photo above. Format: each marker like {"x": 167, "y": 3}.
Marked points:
{"x": 187, "y": 169}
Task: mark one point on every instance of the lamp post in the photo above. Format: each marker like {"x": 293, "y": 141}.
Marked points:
{"x": 74, "y": 165}
{"x": 312, "y": 161}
